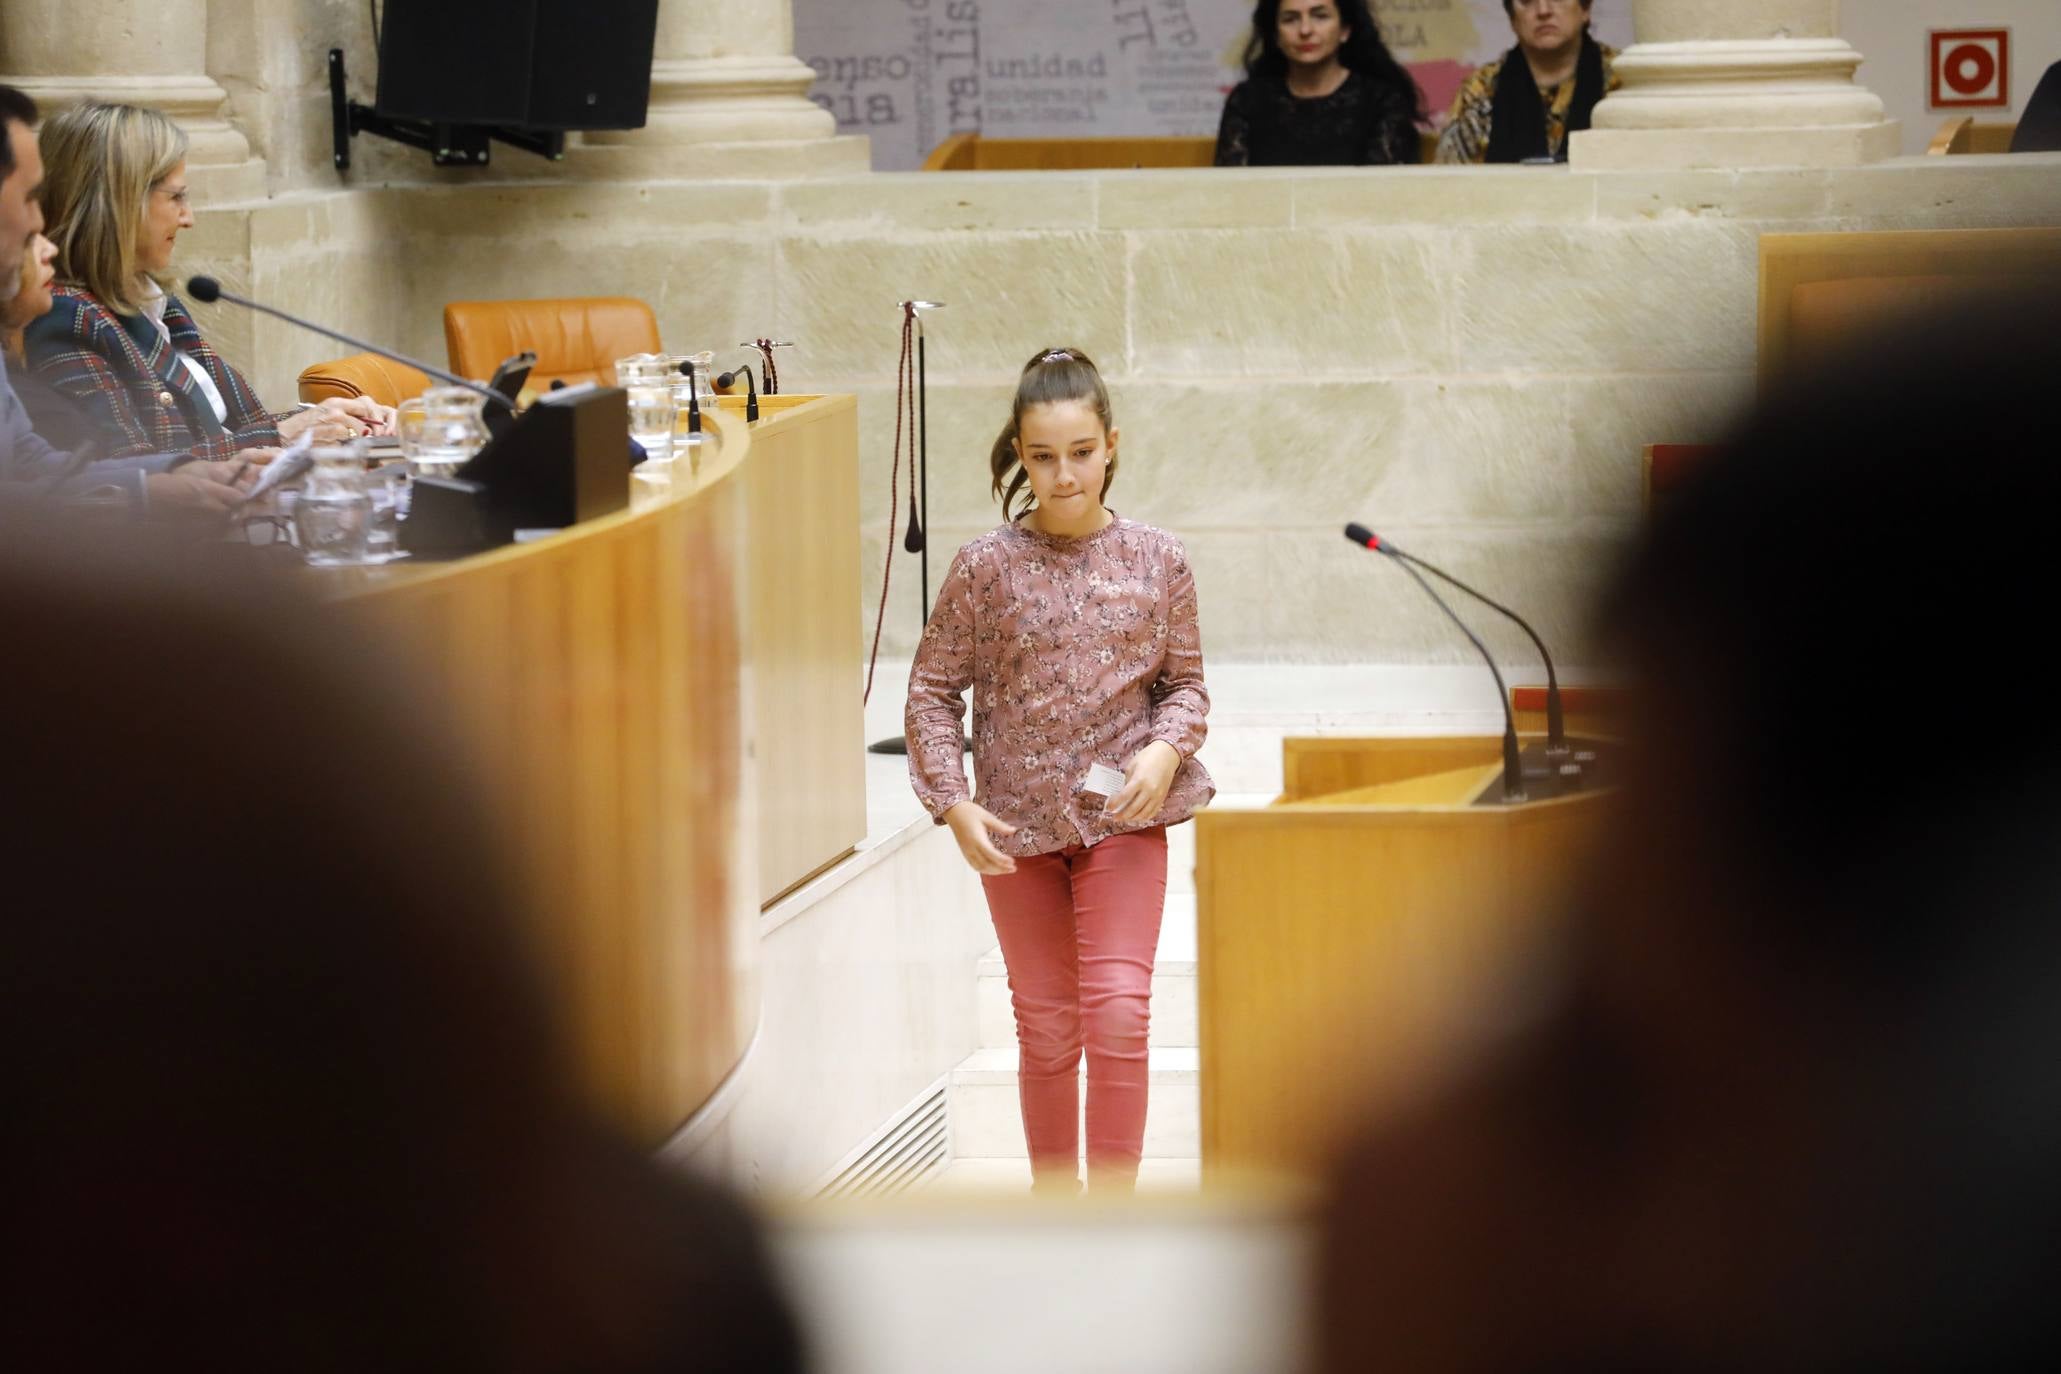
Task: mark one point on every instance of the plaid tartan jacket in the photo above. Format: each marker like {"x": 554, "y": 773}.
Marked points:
{"x": 139, "y": 393}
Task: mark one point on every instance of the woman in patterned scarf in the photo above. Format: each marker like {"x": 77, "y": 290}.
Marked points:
{"x": 1522, "y": 106}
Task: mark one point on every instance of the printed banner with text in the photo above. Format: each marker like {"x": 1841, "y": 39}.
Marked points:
{"x": 912, "y": 73}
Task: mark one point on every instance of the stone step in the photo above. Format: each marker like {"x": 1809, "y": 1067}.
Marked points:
{"x": 1173, "y": 984}
{"x": 987, "y": 1119}
{"x": 991, "y": 1176}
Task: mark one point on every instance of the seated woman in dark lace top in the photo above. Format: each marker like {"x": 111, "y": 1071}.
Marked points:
{"x": 1320, "y": 89}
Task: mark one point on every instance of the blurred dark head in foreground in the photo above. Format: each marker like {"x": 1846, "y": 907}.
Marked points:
{"x": 1795, "y": 1105}
{"x": 281, "y": 1092}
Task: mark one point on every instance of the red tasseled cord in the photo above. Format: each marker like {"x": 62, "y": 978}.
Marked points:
{"x": 905, "y": 402}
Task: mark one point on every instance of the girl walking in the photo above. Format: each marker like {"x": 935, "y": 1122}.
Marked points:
{"x": 1076, "y": 630}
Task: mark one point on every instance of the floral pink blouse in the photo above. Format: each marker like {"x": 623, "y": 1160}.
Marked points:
{"x": 1078, "y": 651}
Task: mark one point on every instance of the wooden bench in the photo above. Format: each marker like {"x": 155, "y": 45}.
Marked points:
{"x": 1821, "y": 292}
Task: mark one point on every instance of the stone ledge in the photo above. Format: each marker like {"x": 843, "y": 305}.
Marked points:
{"x": 1661, "y": 149}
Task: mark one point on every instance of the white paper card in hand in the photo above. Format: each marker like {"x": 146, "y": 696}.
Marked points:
{"x": 292, "y": 461}
{"x": 1103, "y": 780}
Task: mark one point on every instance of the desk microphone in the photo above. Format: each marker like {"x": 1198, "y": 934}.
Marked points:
{"x": 751, "y": 401}
{"x": 688, "y": 370}
{"x": 1513, "y": 767}
{"x": 207, "y": 290}
{"x": 1556, "y": 729}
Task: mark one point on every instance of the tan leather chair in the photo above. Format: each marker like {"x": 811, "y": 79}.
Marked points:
{"x": 364, "y": 374}
{"x": 1963, "y": 135}
{"x": 574, "y": 340}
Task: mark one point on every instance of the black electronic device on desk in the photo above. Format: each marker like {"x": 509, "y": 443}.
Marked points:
{"x": 508, "y": 381}
{"x": 564, "y": 460}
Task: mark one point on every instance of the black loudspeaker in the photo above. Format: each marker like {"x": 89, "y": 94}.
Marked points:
{"x": 564, "y": 461}
{"x": 521, "y": 64}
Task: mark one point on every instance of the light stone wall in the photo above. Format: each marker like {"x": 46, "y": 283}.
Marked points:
{"x": 273, "y": 60}
{"x": 1468, "y": 359}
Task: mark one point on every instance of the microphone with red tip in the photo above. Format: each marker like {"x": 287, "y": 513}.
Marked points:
{"x": 207, "y": 290}
{"x": 1513, "y": 766}
{"x": 1556, "y": 727}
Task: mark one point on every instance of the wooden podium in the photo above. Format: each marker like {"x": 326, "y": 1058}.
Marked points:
{"x": 1344, "y": 930}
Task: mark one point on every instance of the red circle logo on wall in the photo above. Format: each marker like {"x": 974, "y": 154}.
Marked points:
{"x": 1971, "y": 69}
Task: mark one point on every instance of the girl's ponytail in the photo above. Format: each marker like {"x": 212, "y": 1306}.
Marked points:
{"x": 1000, "y": 460}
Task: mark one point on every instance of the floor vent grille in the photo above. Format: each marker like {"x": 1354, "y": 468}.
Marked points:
{"x": 911, "y": 1150}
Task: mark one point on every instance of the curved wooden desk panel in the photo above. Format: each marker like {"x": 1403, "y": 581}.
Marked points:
{"x": 808, "y": 645}
{"x": 604, "y": 678}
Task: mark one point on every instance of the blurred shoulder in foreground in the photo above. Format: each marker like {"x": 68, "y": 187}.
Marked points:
{"x": 1791, "y": 1103}
{"x": 282, "y": 1087}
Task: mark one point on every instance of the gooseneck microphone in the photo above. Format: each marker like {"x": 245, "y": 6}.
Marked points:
{"x": 1513, "y": 766}
{"x": 726, "y": 380}
{"x": 1556, "y": 728}
{"x": 688, "y": 370}
{"x": 207, "y": 290}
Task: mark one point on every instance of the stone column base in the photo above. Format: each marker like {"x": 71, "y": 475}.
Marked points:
{"x": 761, "y": 160}
{"x": 1625, "y": 150}
{"x": 1737, "y": 103}
{"x": 729, "y": 100}
{"x": 726, "y": 117}
{"x": 220, "y": 167}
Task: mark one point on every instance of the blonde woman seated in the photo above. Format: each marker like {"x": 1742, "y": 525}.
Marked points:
{"x": 116, "y": 343}
{"x": 155, "y": 483}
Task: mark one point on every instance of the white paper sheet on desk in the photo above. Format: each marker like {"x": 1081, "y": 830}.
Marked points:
{"x": 292, "y": 461}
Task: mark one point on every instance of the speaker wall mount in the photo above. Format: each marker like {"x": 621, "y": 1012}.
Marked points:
{"x": 448, "y": 144}
{"x": 455, "y": 76}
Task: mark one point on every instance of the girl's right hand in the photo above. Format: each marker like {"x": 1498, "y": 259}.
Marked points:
{"x": 971, "y": 826}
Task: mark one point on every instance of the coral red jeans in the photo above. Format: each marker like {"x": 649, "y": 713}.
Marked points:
{"x": 1079, "y": 929}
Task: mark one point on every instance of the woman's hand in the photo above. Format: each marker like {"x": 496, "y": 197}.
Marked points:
{"x": 376, "y": 418}
{"x": 240, "y": 472}
{"x": 1146, "y": 780}
{"x": 338, "y": 419}
{"x": 329, "y": 426}
{"x": 971, "y": 826}
{"x": 189, "y": 493}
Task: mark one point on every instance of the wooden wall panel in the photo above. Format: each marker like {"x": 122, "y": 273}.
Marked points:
{"x": 810, "y": 762}
{"x": 1341, "y": 946}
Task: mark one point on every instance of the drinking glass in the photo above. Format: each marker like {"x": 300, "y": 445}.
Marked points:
{"x": 410, "y": 419}
{"x": 452, "y": 431}
{"x": 333, "y": 514}
{"x": 642, "y": 369}
{"x": 387, "y": 487}
{"x": 651, "y": 421}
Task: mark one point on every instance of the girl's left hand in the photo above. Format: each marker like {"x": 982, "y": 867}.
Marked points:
{"x": 1146, "y": 780}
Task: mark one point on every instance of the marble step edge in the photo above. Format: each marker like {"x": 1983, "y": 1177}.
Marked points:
{"x": 995, "y": 1066}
